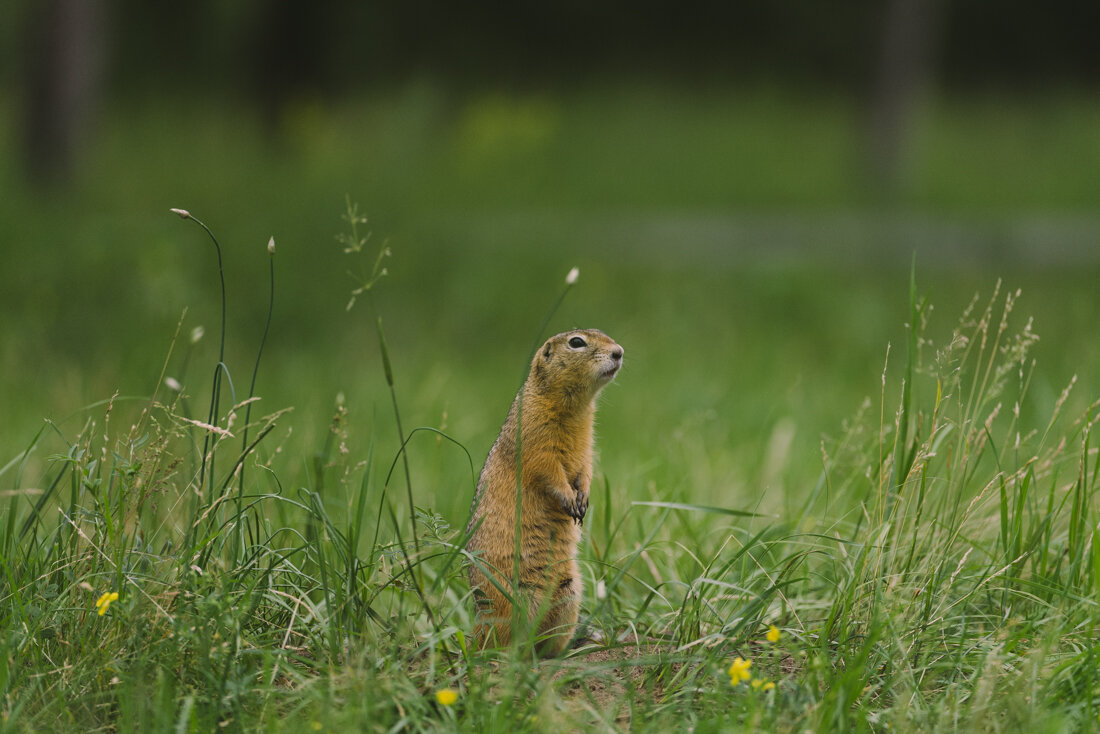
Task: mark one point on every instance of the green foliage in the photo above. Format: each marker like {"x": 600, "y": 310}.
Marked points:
{"x": 940, "y": 573}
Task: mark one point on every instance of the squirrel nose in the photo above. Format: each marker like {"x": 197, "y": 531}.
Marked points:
{"x": 617, "y": 353}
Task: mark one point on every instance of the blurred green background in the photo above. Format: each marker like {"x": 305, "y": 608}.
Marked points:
{"x": 743, "y": 189}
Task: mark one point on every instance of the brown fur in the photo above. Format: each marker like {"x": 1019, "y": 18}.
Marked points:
{"x": 559, "y": 404}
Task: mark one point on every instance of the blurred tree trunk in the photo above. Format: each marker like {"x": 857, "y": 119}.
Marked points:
{"x": 64, "y": 58}
{"x": 901, "y": 77}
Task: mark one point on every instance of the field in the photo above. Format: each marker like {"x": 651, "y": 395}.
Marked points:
{"x": 861, "y": 420}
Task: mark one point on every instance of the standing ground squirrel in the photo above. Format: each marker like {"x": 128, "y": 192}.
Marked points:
{"x": 559, "y": 404}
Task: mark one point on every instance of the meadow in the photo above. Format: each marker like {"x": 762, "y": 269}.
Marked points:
{"x": 851, "y": 443}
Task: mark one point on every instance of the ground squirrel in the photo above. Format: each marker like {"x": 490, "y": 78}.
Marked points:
{"x": 559, "y": 404}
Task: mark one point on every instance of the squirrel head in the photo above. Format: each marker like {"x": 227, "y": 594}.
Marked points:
{"x": 575, "y": 365}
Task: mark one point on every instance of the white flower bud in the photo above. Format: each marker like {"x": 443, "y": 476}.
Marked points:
{"x": 183, "y": 213}
{"x": 572, "y": 277}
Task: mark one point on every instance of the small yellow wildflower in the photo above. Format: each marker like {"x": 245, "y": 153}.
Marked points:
{"x": 103, "y": 602}
{"x": 773, "y": 634}
{"x": 446, "y": 696}
{"x": 767, "y": 686}
{"x": 739, "y": 670}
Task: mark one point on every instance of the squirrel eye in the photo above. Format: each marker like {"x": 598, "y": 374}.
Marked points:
{"x": 576, "y": 342}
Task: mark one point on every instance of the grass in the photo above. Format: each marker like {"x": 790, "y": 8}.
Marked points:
{"x": 928, "y": 566}
{"x": 744, "y": 205}
{"x": 754, "y": 195}
{"x": 939, "y": 572}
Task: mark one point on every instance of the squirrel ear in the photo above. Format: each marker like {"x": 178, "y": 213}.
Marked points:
{"x": 546, "y": 353}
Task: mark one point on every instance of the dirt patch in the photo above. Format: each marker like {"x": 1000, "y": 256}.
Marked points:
{"x": 605, "y": 679}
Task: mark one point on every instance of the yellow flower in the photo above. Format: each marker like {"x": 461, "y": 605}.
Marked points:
{"x": 105, "y": 601}
{"x": 767, "y": 686}
{"x": 773, "y": 634}
{"x": 739, "y": 670}
{"x": 446, "y": 696}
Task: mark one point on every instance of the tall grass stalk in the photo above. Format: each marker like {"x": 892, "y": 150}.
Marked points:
{"x": 354, "y": 243}
{"x": 520, "y": 611}
{"x": 215, "y": 391}
{"x": 246, "y": 449}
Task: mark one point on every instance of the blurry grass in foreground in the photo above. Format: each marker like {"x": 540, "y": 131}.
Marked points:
{"x": 942, "y": 572}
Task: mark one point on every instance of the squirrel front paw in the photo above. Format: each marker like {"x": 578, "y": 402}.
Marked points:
{"x": 576, "y": 506}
